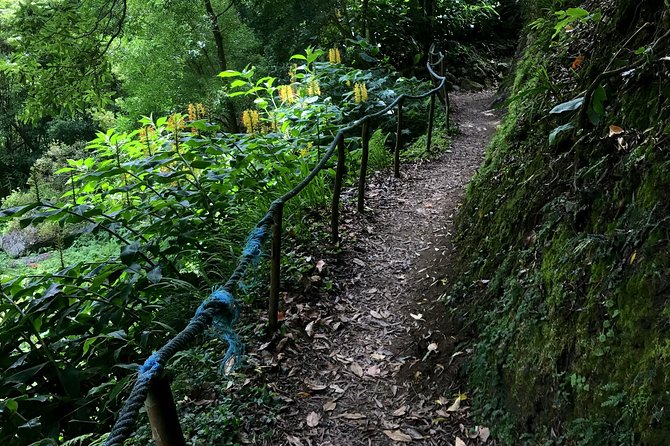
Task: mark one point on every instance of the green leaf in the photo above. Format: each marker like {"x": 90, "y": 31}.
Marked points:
{"x": 567, "y": 106}
{"x": 12, "y": 405}
{"x": 155, "y": 275}
{"x": 299, "y": 57}
{"x": 558, "y": 130}
{"x": 229, "y": 73}
{"x": 129, "y": 253}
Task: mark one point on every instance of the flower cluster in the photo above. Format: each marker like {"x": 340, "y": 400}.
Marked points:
{"x": 360, "y": 92}
{"x": 313, "y": 88}
{"x": 175, "y": 122}
{"x": 250, "y": 120}
{"x": 196, "y": 111}
{"x": 334, "y": 56}
{"x": 286, "y": 93}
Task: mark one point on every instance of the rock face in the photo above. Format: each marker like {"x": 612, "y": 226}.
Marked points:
{"x": 565, "y": 245}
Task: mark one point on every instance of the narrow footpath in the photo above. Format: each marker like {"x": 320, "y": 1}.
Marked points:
{"x": 374, "y": 366}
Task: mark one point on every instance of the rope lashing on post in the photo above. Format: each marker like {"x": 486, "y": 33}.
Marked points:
{"x": 225, "y": 318}
{"x": 219, "y": 310}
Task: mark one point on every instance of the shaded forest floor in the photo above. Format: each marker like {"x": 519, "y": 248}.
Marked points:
{"x": 377, "y": 364}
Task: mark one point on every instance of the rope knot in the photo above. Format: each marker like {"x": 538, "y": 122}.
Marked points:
{"x": 226, "y": 314}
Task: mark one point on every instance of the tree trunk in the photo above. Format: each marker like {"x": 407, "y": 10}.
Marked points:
{"x": 366, "y": 20}
{"x": 218, "y": 36}
{"x": 221, "y": 56}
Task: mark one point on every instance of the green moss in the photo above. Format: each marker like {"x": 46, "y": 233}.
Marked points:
{"x": 574, "y": 326}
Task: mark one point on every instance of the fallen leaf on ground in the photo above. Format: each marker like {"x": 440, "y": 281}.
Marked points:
{"x": 313, "y": 419}
{"x": 359, "y": 262}
{"x": 373, "y": 371}
{"x": 459, "y": 442}
{"x": 432, "y": 347}
{"x": 418, "y": 317}
{"x": 294, "y": 441}
{"x": 313, "y": 385}
{"x": 375, "y": 314}
{"x": 398, "y": 435}
{"x": 357, "y": 369}
{"x": 329, "y": 406}
{"x": 319, "y": 265}
{"x": 351, "y": 416}
{"x": 455, "y": 406}
{"x": 309, "y": 329}
{"x": 484, "y": 433}
{"x": 615, "y": 130}
{"x": 400, "y": 412}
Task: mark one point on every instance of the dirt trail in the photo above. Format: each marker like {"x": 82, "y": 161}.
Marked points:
{"x": 358, "y": 375}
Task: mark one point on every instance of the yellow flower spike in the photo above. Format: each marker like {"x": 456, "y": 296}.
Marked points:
{"x": 360, "y": 92}
{"x": 175, "y": 122}
{"x": 334, "y": 56}
{"x": 286, "y": 93}
{"x": 250, "y": 119}
{"x": 313, "y": 88}
{"x": 202, "y": 112}
{"x": 192, "y": 113}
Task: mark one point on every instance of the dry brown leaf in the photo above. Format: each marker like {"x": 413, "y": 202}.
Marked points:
{"x": 400, "y": 412}
{"x": 459, "y": 442}
{"x": 293, "y": 441}
{"x": 398, "y": 435}
{"x": 313, "y": 419}
{"x": 309, "y": 329}
{"x": 357, "y": 369}
{"x": 455, "y": 406}
{"x": 615, "y": 130}
{"x": 329, "y": 406}
{"x": 375, "y": 314}
{"x": 373, "y": 371}
{"x": 313, "y": 385}
{"x": 579, "y": 60}
{"x": 484, "y": 433}
{"x": 351, "y": 416}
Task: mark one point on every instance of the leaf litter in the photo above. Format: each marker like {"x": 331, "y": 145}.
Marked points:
{"x": 369, "y": 363}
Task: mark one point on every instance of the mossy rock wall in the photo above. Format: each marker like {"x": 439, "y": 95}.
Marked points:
{"x": 571, "y": 239}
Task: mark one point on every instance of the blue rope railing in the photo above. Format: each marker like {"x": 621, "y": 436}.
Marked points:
{"x": 219, "y": 310}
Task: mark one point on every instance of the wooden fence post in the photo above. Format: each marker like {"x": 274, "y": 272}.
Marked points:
{"x": 398, "y": 141}
{"x": 339, "y": 175}
{"x": 162, "y": 412}
{"x": 275, "y": 268}
{"x": 431, "y": 119}
{"x": 365, "y": 136}
{"x": 446, "y": 95}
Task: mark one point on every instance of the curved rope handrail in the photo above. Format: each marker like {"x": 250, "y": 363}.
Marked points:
{"x": 220, "y": 306}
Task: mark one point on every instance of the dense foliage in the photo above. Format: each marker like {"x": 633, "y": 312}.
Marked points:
{"x": 177, "y": 197}
{"x": 564, "y": 235}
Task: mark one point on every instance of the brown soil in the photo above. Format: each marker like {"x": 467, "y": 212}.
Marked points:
{"x": 377, "y": 363}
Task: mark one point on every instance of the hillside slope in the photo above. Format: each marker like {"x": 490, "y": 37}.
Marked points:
{"x": 564, "y": 236}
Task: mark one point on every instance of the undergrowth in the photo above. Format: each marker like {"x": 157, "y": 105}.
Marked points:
{"x": 565, "y": 227}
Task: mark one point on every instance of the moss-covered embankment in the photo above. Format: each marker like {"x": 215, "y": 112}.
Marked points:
{"x": 565, "y": 244}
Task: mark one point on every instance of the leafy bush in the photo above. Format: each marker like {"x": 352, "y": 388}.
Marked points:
{"x": 178, "y": 198}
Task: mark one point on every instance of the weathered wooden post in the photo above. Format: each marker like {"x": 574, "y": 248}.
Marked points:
{"x": 339, "y": 175}
{"x": 431, "y": 119}
{"x": 398, "y": 141}
{"x": 162, "y": 412}
{"x": 365, "y": 135}
{"x": 446, "y": 95}
{"x": 275, "y": 268}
